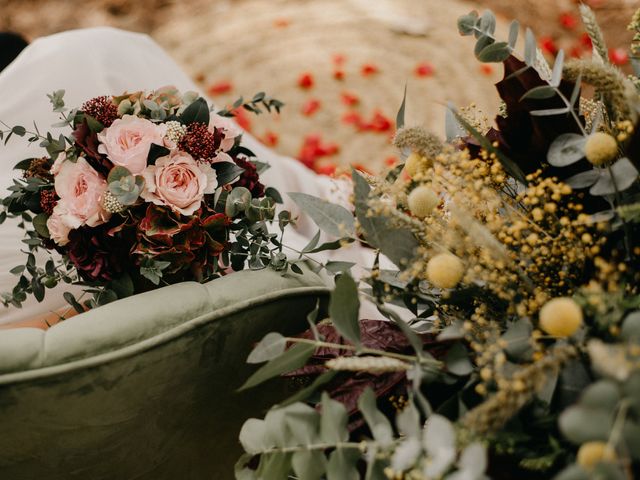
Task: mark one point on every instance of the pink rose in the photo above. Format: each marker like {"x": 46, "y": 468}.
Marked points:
{"x": 58, "y": 230}
{"x": 128, "y": 140}
{"x": 179, "y": 182}
{"x": 80, "y": 189}
{"x": 229, "y": 128}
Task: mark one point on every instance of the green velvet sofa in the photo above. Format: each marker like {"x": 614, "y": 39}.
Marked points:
{"x": 145, "y": 387}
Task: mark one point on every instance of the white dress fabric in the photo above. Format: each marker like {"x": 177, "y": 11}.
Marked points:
{"x": 105, "y": 61}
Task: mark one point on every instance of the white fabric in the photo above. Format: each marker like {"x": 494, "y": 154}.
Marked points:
{"x": 104, "y": 61}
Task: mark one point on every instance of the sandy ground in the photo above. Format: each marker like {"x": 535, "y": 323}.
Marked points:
{"x": 339, "y": 65}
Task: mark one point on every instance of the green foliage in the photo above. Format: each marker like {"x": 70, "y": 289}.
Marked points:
{"x": 329, "y": 217}
{"x": 344, "y": 307}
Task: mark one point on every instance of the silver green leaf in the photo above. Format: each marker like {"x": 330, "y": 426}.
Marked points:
{"x": 496, "y": 52}
{"x": 291, "y": 359}
{"x": 333, "y": 421}
{"x": 583, "y": 179}
{"x": 329, "y": 217}
{"x": 377, "y": 421}
{"x": 344, "y": 307}
{"x": 618, "y": 177}
{"x": 271, "y": 346}
{"x": 253, "y": 436}
{"x": 342, "y": 465}
{"x": 566, "y": 149}
{"x": 309, "y": 464}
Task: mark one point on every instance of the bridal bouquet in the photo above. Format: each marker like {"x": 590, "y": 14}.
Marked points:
{"x": 147, "y": 188}
{"x": 512, "y": 348}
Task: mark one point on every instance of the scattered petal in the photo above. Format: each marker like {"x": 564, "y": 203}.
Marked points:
{"x": 219, "y": 88}
{"x": 242, "y": 118}
{"x": 281, "y": 22}
{"x": 369, "y": 69}
{"x": 349, "y": 99}
{"x": 305, "y": 80}
{"x": 338, "y": 74}
{"x": 270, "y": 139}
{"x": 338, "y": 59}
{"x": 486, "y": 69}
{"x": 618, "y": 56}
{"x": 548, "y": 45}
{"x": 568, "y": 20}
{"x": 424, "y": 69}
{"x": 310, "y": 107}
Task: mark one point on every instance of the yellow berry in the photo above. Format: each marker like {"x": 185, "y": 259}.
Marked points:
{"x": 414, "y": 164}
{"x": 445, "y": 270}
{"x": 560, "y": 317}
{"x": 422, "y": 200}
{"x": 601, "y": 148}
{"x": 592, "y": 453}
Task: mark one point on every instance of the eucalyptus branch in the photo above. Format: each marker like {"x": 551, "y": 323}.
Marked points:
{"x": 318, "y": 446}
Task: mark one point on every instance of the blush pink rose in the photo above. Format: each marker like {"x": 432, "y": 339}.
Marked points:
{"x": 229, "y": 128}
{"x": 58, "y": 229}
{"x": 128, "y": 140}
{"x": 179, "y": 182}
{"x": 80, "y": 189}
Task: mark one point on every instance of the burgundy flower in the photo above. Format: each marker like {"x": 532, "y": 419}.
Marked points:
{"x": 96, "y": 255}
{"x": 102, "y": 109}
{"x": 200, "y": 142}
{"x": 48, "y": 200}
{"x": 249, "y": 178}
{"x": 87, "y": 142}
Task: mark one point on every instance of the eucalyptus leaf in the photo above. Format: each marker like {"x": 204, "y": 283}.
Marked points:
{"x": 452, "y": 127}
{"x": 309, "y": 464}
{"x": 400, "y": 115}
{"x": 466, "y": 23}
{"x": 566, "y": 149}
{"x": 333, "y": 421}
{"x": 338, "y": 267}
{"x": 549, "y": 112}
{"x": 457, "y": 360}
{"x": 329, "y": 217}
{"x": 291, "y": 359}
{"x": 583, "y": 179}
{"x": 623, "y": 173}
{"x": 342, "y": 465}
{"x": 226, "y": 172}
{"x": 399, "y": 245}
{"x": 271, "y": 346}
{"x": 496, "y": 52}
{"x": 514, "y": 28}
{"x": 556, "y": 74}
{"x": 253, "y": 436}
{"x": 40, "y": 224}
{"x": 530, "y": 48}
{"x": 518, "y": 339}
{"x": 378, "y": 423}
{"x": 344, "y": 306}
{"x": 274, "y": 466}
{"x": 581, "y": 424}
{"x": 540, "y": 92}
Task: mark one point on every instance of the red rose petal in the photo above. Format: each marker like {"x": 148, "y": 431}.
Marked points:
{"x": 338, "y": 59}
{"x": 349, "y": 99}
{"x": 585, "y": 40}
{"x": 548, "y": 45}
{"x": 282, "y": 22}
{"x": 305, "y": 80}
{"x": 338, "y": 75}
{"x": 378, "y": 123}
{"x": 218, "y": 88}
{"x": 618, "y": 56}
{"x": 568, "y": 20}
{"x": 310, "y": 107}
{"x": 352, "y": 118}
{"x": 242, "y": 118}
{"x": 369, "y": 69}
{"x": 270, "y": 139}
{"x": 325, "y": 168}
{"x": 313, "y": 148}
{"x": 424, "y": 69}
{"x": 391, "y": 161}
{"x": 486, "y": 69}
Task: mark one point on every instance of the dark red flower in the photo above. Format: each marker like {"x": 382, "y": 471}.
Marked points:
{"x": 87, "y": 142}
{"x": 48, "y": 200}
{"x": 249, "y": 178}
{"x": 102, "y": 109}
{"x": 96, "y": 255}
{"x": 200, "y": 142}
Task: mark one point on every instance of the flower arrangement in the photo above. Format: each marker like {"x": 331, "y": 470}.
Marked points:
{"x": 148, "y": 189}
{"x": 512, "y": 346}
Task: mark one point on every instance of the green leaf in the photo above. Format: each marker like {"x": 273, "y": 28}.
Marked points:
{"x": 271, "y": 346}
{"x": 71, "y": 300}
{"x": 556, "y": 74}
{"x": 399, "y": 245}
{"x": 467, "y": 23}
{"x": 583, "y": 179}
{"x": 488, "y": 22}
{"x": 333, "y": 421}
{"x": 408, "y": 332}
{"x": 457, "y": 360}
{"x": 566, "y": 149}
{"x": 514, "y": 28}
{"x": 581, "y": 424}
{"x": 309, "y": 464}
{"x": 602, "y": 395}
{"x": 400, "y": 115}
{"x": 540, "y": 92}
{"x": 94, "y": 125}
{"x": 117, "y": 174}
{"x": 496, "y": 52}
{"x": 227, "y": 172}
{"x": 453, "y": 129}
{"x": 631, "y": 327}
{"x": 123, "y": 286}
{"x": 274, "y": 194}
{"x": 518, "y": 339}
{"x": 302, "y": 422}
{"x": 253, "y": 436}
{"x": 19, "y": 130}
{"x": 377, "y": 421}
{"x": 238, "y": 201}
{"x": 338, "y": 267}
{"x": 530, "y": 48}
{"x": 335, "y": 245}
{"x": 40, "y": 225}
{"x": 291, "y": 359}
{"x": 329, "y": 217}
{"x": 622, "y": 172}
{"x": 549, "y": 112}
{"x": 342, "y": 465}
{"x": 198, "y": 112}
{"x": 344, "y": 307}
{"x": 274, "y": 466}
